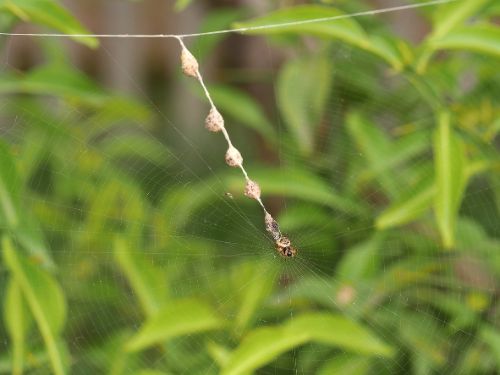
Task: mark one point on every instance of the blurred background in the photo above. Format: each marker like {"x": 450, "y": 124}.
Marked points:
{"x": 128, "y": 246}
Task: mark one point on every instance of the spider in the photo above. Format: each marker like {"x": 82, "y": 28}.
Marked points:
{"x": 285, "y": 248}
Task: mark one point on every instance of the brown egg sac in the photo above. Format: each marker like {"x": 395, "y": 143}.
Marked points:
{"x": 233, "y": 157}
{"x": 252, "y": 189}
{"x": 284, "y": 247}
{"x": 189, "y": 63}
{"x": 214, "y": 121}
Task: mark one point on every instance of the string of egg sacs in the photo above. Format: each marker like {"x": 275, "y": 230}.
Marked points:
{"x": 214, "y": 122}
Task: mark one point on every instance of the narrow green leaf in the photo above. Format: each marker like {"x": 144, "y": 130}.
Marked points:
{"x": 258, "y": 281}
{"x": 147, "y": 281}
{"x": 476, "y": 38}
{"x": 339, "y": 331}
{"x": 449, "y": 164}
{"x": 58, "y": 80}
{"x": 9, "y": 189}
{"x": 177, "y": 319}
{"x": 17, "y": 323}
{"x": 49, "y": 13}
{"x": 450, "y": 15}
{"x": 13, "y": 216}
{"x": 376, "y": 148}
{"x": 130, "y": 145}
{"x": 302, "y": 91}
{"x": 447, "y": 17}
{"x": 243, "y": 108}
{"x": 263, "y": 345}
{"x": 220, "y": 354}
{"x": 416, "y": 202}
{"x": 45, "y": 300}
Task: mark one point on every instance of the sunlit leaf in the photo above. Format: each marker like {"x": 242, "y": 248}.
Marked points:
{"x": 48, "y": 13}
{"x": 447, "y": 17}
{"x": 13, "y": 215}
{"x": 45, "y": 300}
{"x": 263, "y": 345}
{"x": 375, "y": 147}
{"x": 452, "y": 14}
{"x": 449, "y": 161}
{"x": 219, "y": 353}
{"x": 477, "y": 38}
{"x": 17, "y": 322}
{"x": 411, "y": 206}
{"x": 302, "y": 91}
{"x": 178, "y": 318}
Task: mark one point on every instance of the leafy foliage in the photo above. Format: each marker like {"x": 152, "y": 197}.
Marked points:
{"x": 383, "y": 155}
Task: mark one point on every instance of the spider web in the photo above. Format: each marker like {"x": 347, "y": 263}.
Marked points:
{"x": 114, "y": 185}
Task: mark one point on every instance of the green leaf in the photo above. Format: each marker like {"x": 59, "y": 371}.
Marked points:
{"x": 302, "y": 91}
{"x": 147, "y": 281}
{"x": 411, "y": 206}
{"x": 376, "y": 148}
{"x": 45, "y": 300}
{"x": 359, "y": 262}
{"x": 10, "y": 187}
{"x": 346, "y": 364}
{"x": 58, "y": 80}
{"x": 263, "y": 345}
{"x": 447, "y": 17}
{"x": 243, "y": 108}
{"x": 12, "y": 213}
{"x": 257, "y": 281}
{"x": 220, "y": 354}
{"x": 133, "y": 145}
{"x": 476, "y": 38}
{"x": 450, "y": 15}
{"x": 48, "y": 13}
{"x": 260, "y": 347}
{"x": 179, "y": 318}
{"x": 303, "y": 20}
{"x": 449, "y": 164}
{"x": 17, "y": 324}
